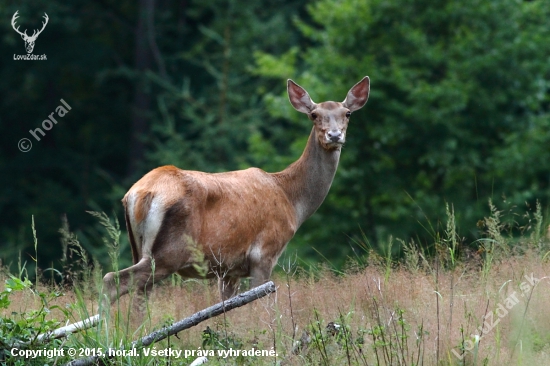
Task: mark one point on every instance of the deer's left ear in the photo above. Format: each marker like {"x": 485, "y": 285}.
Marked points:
{"x": 358, "y": 95}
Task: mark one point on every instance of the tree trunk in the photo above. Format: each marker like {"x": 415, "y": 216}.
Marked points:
{"x": 142, "y": 100}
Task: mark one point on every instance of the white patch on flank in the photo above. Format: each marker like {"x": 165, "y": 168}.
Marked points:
{"x": 151, "y": 226}
{"x": 255, "y": 253}
{"x": 130, "y": 204}
{"x": 130, "y": 201}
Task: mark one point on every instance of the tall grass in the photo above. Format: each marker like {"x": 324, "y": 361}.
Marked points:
{"x": 452, "y": 307}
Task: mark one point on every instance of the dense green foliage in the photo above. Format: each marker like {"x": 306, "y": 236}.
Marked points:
{"x": 459, "y": 109}
{"x": 459, "y": 104}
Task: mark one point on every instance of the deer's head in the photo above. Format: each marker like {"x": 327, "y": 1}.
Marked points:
{"x": 330, "y": 119}
{"x": 29, "y": 40}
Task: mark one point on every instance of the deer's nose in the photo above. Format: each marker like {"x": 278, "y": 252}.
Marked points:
{"x": 335, "y": 135}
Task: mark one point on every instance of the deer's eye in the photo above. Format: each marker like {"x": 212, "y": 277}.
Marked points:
{"x": 348, "y": 113}
{"x": 313, "y": 115}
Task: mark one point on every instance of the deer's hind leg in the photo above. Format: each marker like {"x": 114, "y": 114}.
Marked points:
{"x": 228, "y": 286}
{"x": 139, "y": 278}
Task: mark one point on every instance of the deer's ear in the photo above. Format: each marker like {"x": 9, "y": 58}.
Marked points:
{"x": 358, "y": 95}
{"x": 299, "y": 98}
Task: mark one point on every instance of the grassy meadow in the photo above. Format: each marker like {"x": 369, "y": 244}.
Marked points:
{"x": 449, "y": 306}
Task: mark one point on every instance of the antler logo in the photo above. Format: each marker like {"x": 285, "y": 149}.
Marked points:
{"x": 29, "y": 40}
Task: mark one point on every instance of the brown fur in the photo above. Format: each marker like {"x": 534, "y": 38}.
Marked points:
{"x": 329, "y": 106}
{"x": 143, "y": 204}
{"x": 234, "y": 224}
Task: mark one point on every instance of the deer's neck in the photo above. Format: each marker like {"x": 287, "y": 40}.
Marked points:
{"x": 308, "y": 180}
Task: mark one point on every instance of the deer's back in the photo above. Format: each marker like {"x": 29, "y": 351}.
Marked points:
{"x": 229, "y": 215}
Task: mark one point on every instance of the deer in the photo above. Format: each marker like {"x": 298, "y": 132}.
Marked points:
{"x": 233, "y": 224}
{"x": 29, "y": 40}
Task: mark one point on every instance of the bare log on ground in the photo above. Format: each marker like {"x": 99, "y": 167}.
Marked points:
{"x": 210, "y": 312}
{"x": 71, "y": 328}
{"x": 61, "y": 332}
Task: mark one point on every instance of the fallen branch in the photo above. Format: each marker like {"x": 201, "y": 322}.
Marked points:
{"x": 71, "y": 328}
{"x": 212, "y": 311}
{"x": 61, "y": 332}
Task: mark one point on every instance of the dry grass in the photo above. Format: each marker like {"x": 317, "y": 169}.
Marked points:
{"x": 364, "y": 301}
{"x": 365, "y": 293}
{"x": 489, "y": 309}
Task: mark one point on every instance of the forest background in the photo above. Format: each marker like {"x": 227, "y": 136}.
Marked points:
{"x": 459, "y": 111}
